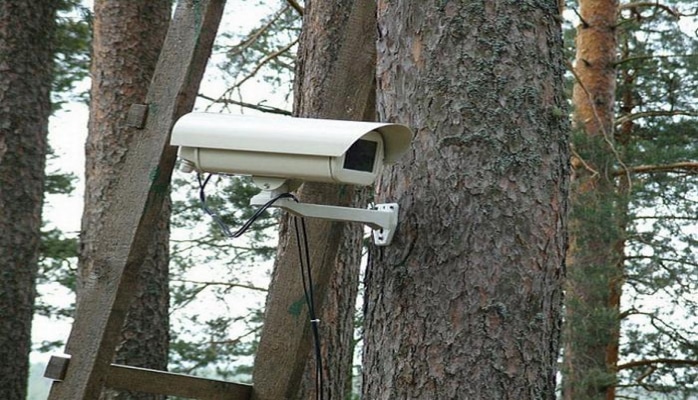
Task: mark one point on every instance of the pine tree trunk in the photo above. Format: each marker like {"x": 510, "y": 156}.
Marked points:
{"x": 334, "y": 79}
{"x": 128, "y": 36}
{"x": 26, "y": 60}
{"x": 592, "y": 301}
{"x": 466, "y": 302}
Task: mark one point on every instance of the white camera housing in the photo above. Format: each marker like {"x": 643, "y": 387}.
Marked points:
{"x": 296, "y": 149}
{"x": 280, "y": 153}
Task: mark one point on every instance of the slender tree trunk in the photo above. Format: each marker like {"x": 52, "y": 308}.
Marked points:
{"x": 128, "y": 36}
{"x": 466, "y": 303}
{"x": 596, "y": 46}
{"x": 334, "y": 79}
{"x": 26, "y": 61}
{"x": 598, "y": 213}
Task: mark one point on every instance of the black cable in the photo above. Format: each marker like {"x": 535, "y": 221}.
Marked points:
{"x": 304, "y": 258}
{"x": 224, "y": 227}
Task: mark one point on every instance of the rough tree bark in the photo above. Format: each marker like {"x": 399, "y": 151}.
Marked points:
{"x": 128, "y": 36}
{"x": 334, "y": 79}
{"x": 26, "y": 60}
{"x": 595, "y": 276}
{"x": 466, "y": 303}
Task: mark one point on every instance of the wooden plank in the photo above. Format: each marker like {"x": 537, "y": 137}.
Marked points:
{"x": 159, "y": 382}
{"x": 138, "y": 198}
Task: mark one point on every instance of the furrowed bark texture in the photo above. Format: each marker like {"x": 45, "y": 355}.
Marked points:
{"x": 128, "y": 36}
{"x": 599, "y": 209}
{"x": 466, "y": 302}
{"x": 335, "y": 79}
{"x": 26, "y": 60}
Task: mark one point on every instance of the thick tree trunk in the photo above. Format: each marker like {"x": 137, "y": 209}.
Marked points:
{"x": 26, "y": 60}
{"x": 334, "y": 79}
{"x": 598, "y": 213}
{"x": 128, "y": 36}
{"x": 466, "y": 302}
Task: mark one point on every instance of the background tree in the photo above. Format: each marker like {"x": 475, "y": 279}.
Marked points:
{"x": 127, "y": 39}
{"x": 633, "y": 198}
{"x": 466, "y": 303}
{"x": 26, "y": 60}
{"x": 592, "y": 305}
{"x": 334, "y": 79}
{"x": 59, "y": 250}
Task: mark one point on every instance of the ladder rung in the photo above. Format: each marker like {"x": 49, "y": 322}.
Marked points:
{"x": 124, "y": 377}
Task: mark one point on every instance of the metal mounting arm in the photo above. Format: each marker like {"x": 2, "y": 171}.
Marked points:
{"x": 382, "y": 219}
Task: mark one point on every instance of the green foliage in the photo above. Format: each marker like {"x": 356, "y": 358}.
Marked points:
{"x": 655, "y": 213}
{"x": 58, "y": 252}
{"x": 58, "y": 182}
{"x": 211, "y": 349}
{"x": 57, "y": 266}
{"x": 57, "y": 256}
{"x": 222, "y": 273}
{"x": 658, "y": 76}
{"x": 266, "y": 53}
{"x": 229, "y": 198}
{"x": 263, "y": 44}
{"x": 72, "y": 51}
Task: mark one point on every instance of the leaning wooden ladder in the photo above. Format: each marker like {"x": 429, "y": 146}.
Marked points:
{"x": 139, "y": 196}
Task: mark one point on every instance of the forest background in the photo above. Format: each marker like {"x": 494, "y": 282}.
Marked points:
{"x": 654, "y": 104}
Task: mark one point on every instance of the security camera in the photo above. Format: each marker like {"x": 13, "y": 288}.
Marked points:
{"x": 280, "y": 153}
{"x": 285, "y": 148}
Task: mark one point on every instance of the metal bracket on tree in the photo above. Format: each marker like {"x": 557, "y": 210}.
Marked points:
{"x": 382, "y": 218}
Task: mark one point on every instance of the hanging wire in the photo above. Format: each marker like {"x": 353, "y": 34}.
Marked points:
{"x": 304, "y": 258}
{"x": 224, "y": 227}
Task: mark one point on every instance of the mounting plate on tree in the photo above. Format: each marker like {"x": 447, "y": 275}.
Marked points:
{"x": 384, "y": 236}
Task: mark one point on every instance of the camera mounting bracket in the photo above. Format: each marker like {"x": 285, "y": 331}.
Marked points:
{"x": 382, "y": 218}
